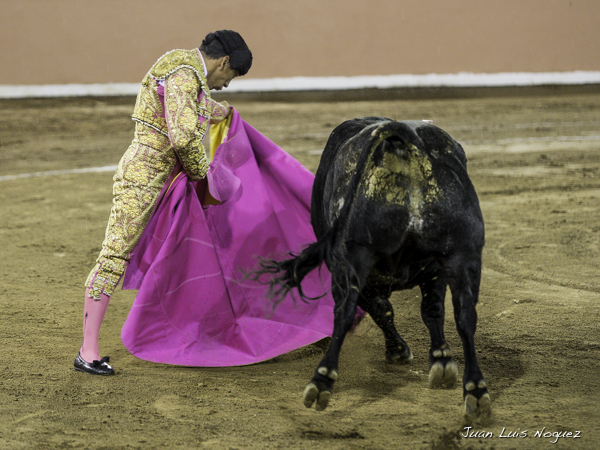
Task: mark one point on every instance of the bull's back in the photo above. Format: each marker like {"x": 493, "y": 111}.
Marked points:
{"x": 414, "y": 183}
{"x": 338, "y": 163}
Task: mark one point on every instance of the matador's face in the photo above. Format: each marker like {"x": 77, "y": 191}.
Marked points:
{"x": 222, "y": 76}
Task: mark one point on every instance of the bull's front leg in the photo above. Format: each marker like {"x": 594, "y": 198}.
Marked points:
{"x": 346, "y": 284}
{"x": 464, "y": 284}
{"x": 443, "y": 371}
{"x": 475, "y": 392}
{"x": 320, "y": 388}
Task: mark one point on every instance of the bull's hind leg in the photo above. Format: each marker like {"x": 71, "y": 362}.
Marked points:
{"x": 378, "y": 306}
{"x": 443, "y": 371}
{"x": 464, "y": 275}
{"x": 345, "y": 286}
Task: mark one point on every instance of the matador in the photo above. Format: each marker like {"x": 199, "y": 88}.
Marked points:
{"x": 172, "y": 114}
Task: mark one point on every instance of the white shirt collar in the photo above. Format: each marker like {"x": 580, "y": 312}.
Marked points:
{"x": 203, "y": 63}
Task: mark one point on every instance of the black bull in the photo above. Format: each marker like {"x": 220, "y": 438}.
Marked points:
{"x": 393, "y": 208}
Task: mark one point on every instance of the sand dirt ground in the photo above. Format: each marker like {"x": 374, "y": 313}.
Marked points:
{"x": 535, "y": 162}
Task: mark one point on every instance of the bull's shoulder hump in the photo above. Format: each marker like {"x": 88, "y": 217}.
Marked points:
{"x": 352, "y": 127}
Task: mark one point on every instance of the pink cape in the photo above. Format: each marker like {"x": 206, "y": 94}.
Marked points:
{"x": 194, "y": 307}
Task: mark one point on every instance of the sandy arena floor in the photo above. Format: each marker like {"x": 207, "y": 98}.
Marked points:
{"x": 535, "y": 161}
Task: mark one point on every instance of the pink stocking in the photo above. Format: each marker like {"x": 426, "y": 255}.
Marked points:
{"x": 93, "y": 314}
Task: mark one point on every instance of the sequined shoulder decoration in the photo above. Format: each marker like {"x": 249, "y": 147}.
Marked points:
{"x": 174, "y": 60}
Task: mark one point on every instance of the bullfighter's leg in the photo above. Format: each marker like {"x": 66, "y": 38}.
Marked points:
{"x": 378, "y": 306}
{"x": 320, "y": 387}
{"x": 443, "y": 370}
{"x": 464, "y": 275}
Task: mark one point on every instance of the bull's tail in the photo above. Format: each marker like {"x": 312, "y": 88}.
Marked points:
{"x": 289, "y": 273}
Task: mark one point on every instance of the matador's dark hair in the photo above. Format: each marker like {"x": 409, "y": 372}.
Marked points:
{"x": 228, "y": 43}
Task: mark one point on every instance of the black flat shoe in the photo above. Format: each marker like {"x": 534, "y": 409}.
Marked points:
{"x": 95, "y": 368}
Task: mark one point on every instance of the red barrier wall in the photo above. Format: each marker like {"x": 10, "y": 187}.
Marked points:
{"x": 76, "y": 41}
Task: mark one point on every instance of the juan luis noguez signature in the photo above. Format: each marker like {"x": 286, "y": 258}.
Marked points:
{"x": 543, "y": 433}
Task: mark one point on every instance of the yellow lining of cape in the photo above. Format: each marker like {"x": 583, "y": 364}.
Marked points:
{"x": 173, "y": 181}
{"x": 218, "y": 135}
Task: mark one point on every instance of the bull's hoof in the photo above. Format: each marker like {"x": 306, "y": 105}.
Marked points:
{"x": 401, "y": 355}
{"x": 478, "y": 405}
{"x": 443, "y": 374}
{"x": 319, "y": 390}
{"x": 312, "y": 395}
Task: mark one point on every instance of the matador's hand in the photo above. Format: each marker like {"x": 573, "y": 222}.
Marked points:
{"x": 220, "y": 112}
{"x": 228, "y": 107}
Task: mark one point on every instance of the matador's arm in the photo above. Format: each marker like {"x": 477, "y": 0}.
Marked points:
{"x": 186, "y": 129}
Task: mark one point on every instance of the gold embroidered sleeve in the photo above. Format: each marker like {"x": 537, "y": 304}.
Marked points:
{"x": 186, "y": 131}
{"x": 218, "y": 111}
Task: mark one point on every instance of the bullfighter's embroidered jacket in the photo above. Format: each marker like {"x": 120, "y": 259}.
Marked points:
{"x": 172, "y": 112}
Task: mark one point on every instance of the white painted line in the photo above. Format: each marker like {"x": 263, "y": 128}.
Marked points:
{"x": 68, "y": 90}
{"x": 462, "y": 79}
{"x": 432, "y": 80}
{"x": 58, "y": 172}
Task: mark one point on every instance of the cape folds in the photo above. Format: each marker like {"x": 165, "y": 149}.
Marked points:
{"x": 194, "y": 306}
